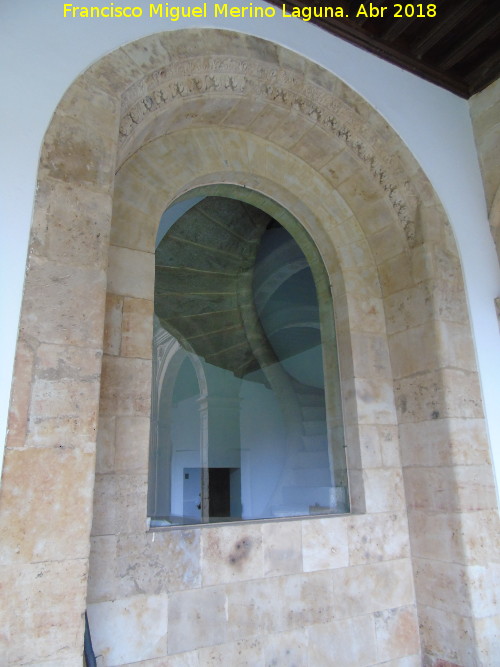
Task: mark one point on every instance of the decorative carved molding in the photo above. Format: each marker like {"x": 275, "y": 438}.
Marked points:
{"x": 219, "y": 76}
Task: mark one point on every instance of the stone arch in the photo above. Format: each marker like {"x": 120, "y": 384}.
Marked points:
{"x": 166, "y": 366}
{"x": 494, "y": 216}
{"x": 255, "y": 108}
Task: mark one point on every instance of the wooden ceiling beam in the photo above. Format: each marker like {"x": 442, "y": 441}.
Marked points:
{"x": 484, "y": 73}
{"x": 487, "y": 28}
{"x": 442, "y": 28}
{"x": 397, "y": 28}
{"x": 445, "y": 50}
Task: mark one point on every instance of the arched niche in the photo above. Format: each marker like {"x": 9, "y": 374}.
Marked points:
{"x": 146, "y": 124}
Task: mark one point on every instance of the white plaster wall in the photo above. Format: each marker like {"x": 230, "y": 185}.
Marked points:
{"x": 42, "y": 53}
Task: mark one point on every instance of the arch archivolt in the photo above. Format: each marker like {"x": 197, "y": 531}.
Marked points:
{"x": 495, "y": 220}
{"x": 176, "y": 114}
{"x": 270, "y": 101}
{"x": 258, "y": 168}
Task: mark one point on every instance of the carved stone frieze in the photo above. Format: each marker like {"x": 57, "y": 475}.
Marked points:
{"x": 240, "y": 77}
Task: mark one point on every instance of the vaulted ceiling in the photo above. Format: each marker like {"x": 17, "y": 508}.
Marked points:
{"x": 457, "y": 49}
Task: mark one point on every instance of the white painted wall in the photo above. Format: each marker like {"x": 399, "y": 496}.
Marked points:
{"x": 42, "y": 53}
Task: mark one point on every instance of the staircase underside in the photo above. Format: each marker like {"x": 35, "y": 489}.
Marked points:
{"x": 204, "y": 267}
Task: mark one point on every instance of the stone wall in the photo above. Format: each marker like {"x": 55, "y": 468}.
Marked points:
{"x": 485, "y": 114}
{"x": 171, "y": 114}
{"x": 262, "y": 589}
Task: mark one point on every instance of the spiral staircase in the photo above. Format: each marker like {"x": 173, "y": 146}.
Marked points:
{"x": 234, "y": 288}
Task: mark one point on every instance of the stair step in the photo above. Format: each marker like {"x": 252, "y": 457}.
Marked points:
{"x": 308, "y": 495}
{"x": 312, "y": 477}
{"x": 313, "y": 412}
{"x": 315, "y": 443}
{"x": 290, "y": 510}
{"x": 315, "y": 427}
{"x": 304, "y": 459}
{"x": 310, "y": 399}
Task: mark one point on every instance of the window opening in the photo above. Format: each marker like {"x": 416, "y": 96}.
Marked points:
{"x": 246, "y": 423}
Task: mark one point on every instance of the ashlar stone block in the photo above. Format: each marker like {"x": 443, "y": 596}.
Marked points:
{"x": 84, "y": 99}
{"x": 148, "y": 54}
{"x": 317, "y": 147}
{"x": 256, "y": 608}
{"x": 397, "y": 633}
{"x": 438, "y": 394}
{"x": 287, "y": 648}
{"x": 186, "y": 659}
{"x": 102, "y": 582}
{"x": 72, "y": 659}
{"x": 289, "y": 133}
{"x": 414, "y": 350}
{"x": 131, "y": 444}
{"x": 324, "y": 544}
{"x": 113, "y": 324}
{"x": 408, "y": 661}
{"x": 393, "y": 272}
{"x": 71, "y": 224}
{"x": 114, "y": 73}
{"x": 197, "y": 618}
{"x": 454, "y": 588}
{"x": 340, "y": 169}
{"x": 450, "y": 489}
{"x": 465, "y": 538}
{"x": 75, "y": 152}
{"x": 131, "y": 272}
{"x": 377, "y": 215}
{"x": 202, "y": 111}
{"x": 364, "y": 589}
{"x": 356, "y": 255}
{"x": 487, "y": 632}
{"x": 120, "y": 504}
{"x": 431, "y": 346}
{"x": 50, "y": 519}
{"x": 364, "y": 314}
{"x": 21, "y": 395}
{"x": 65, "y": 391}
{"x": 244, "y": 653}
{"x": 125, "y": 631}
{"x": 370, "y": 355}
{"x": 271, "y": 116}
{"x": 125, "y": 386}
{"x": 389, "y": 446}
{"x": 409, "y": 308}
{"x": 135, "y": 220}
{"x": 231, "y": 553}
{"x": 105, "y": 446}
{"x": 386, "y": 244}
{"x": 359, "y": 193}
{"x": 244, "y": 112}
{"x": 437, "y": 626}
{"x": 345, "y": 643}
{"x": 52, "y": 619}
{"x": 282, "y": 548}
{"x": 374, "y": 401}
{"x": 308, "y": 599}
{"x": 362, "y": 282}
{"x": 63, "y": 304}
{"x": 384, "y": 490}
{"x": 158, "y": 562}
{"x": 346, "y": 228}
{"x": 137, "y": 328}
{"x": 444, "y": 442}
{"x": 377, "y": 537}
